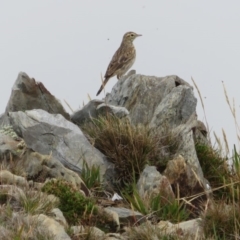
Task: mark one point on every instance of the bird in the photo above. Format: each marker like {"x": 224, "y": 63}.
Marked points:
{"x": 122, "y": 60}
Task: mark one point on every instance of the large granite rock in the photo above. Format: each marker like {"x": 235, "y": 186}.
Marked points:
{"x": 152, "y": 99}
{"x": 97, "y": 108}
{"x": 53, "y": 134}
{"x": 27, "y": 94}
{"x": 162, "y": 102}
{"x": 152, "y": 183}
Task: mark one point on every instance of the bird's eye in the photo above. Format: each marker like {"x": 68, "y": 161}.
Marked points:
{"x": 132, "y": 35}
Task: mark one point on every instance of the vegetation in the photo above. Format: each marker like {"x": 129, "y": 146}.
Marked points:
{"x": 73, "y": 204}
{"x": 91, "y": 177}
{"x": 129, "y": 147}
{"x": 158, "y": 208}
{"x": 77, "y": 208}
{"x": 221, "y": 218}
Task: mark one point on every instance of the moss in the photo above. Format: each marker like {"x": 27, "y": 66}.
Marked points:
{"x": 75, "y": 207}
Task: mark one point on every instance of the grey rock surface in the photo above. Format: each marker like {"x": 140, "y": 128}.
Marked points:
{"x": 53, "y": 134}
{"x": 28, "y": 94}
{"x": 119, "y": 112}
{"x": 8, "y": 146}
{"x": 96, "y": 108}
{"x": 7, "y": 177}
{"x": 161, "y": 102}
{"x": 151, "y": 183}
{"x": 87, "y": 112}
{"x": 51, "y": 226}
{"x": 57, "y": 214}
{"x": 127, "y": 215}
{"x": 149, "y": 98}
{"x": 40, "y": 167}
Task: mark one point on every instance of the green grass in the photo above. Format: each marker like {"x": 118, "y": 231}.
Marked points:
{"x": 91, "y": 177}
{"x": 158, "y": 208}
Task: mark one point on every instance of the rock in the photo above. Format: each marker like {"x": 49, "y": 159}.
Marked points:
{"x": 57, "y": 214}
{"x": 27, "y": 94}
{"x": 51, "y": 226}
{"x": 95, "y": 108}
{"x": 114, "y": 236}
{"x": 114, "y": 217}
{"x": 7, "y": 177}
{"x": 41, "y": 167}
{"x": 162, "y": 103}
{"x": 176, "y": 108}
{"x": 152, "y": 183}
{"x": 126, "y": 215}
{"x": 89, "y": 111}
{"x": 185, "y": 182}
{"x": 104, "y": 109}
{"x": 19, "y": 226}
{"x": 12, "y": 193}
{"x": 154, "y": 100}
{"x": 186, "y": 146}
{"x": 53, "y": 134}
{"x": 77, "y": 229}
{"x": 8, "y": 146}
{"x": 200, "y": 134}
{"x": 191, "y": 229}
{"x": 96, "y": 233}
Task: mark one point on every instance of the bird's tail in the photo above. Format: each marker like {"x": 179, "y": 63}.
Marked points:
{"x": 102, "y": 86}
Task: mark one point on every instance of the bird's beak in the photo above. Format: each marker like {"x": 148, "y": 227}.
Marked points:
{"x": 139, "y": 35}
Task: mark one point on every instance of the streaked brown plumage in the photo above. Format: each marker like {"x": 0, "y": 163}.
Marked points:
{"x": 122, "y": 60}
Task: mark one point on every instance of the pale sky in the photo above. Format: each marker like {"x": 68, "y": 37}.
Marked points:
{"x": 68, "y": 44}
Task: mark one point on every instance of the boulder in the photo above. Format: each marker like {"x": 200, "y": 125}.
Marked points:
{"x": 96, "y": 108}
{"x": 191, "y": 229}
{"x": 89, "y": 111}
{"x": 7, "y": 177}
{"x": 152, "y": 183}
{"x": 50, "y": 226}
{"x": 27, "y": 94}
{"x": 52, "y": 134}
{"x": 186, "y": 183}
{"x": 151, "y": 99}
{"x": 57, "y": 214}
{"x": 104, "y": 109}
{"x": 162, "y": 103}
{"x": 126, "y": 215}
{"x": 40, "y": 167}
{"x": 8, "y": 146}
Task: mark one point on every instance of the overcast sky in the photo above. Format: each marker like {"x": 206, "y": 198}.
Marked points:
{"x": 68, "y": 44}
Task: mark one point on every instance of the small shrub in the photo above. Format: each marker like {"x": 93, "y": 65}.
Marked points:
{"x": 75, "y": 207}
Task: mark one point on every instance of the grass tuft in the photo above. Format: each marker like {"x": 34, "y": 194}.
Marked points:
{"x": 129, "y": 147}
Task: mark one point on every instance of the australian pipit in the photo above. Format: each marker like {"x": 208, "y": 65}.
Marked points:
{"x": 122, "y": 60}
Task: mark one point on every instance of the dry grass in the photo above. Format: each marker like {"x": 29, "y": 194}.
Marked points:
{"x": 221, "y": 218}
{"x": 129, "y": 147}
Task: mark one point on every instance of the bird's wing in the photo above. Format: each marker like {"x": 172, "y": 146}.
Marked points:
{"x": 119, "y": 59}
